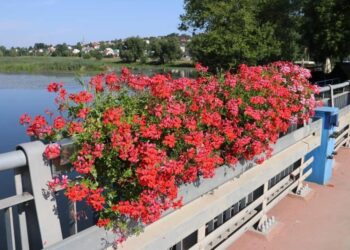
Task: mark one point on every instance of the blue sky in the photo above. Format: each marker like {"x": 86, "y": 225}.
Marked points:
{"x": 24, "y": 22}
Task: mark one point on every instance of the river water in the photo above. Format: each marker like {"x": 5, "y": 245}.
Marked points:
{"x": 20, "y": 93}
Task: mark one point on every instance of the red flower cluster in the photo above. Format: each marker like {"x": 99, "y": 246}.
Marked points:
{"x": 24, "y": 119}
{"x": 137, "y": 146}
{"x": 77, "y": 192}
{"x": 54, "y": 87}
{"x": 81, "y": 97}
{"x": 38, "y": 127}
{"x": 52, "y": 151}
{"x": 95, "y": 199}
{"x": 59, "y": 123}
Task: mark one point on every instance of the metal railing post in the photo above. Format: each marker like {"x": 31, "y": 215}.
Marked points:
{"x": 42, "y": 218}
{"x": 22, "y": 221}
{"x": 332, "y": 95}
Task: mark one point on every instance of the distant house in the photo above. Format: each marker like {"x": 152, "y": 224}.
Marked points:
{"x": 51, "y": 49}
{"x": 108, "y": 52}
{"x": 96, "y": 45}
{"x": 75, "y": 51}
{"x": 183, "y": 49}
{"x": 116, "y": 52}
{"x": 87, "y": 49}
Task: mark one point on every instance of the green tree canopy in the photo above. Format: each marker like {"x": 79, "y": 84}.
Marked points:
{"x": 285, "y": 18}
{"x": 61, "y": 50}
{"x": 38, "y": 46}
{"x": 227, "y": 33}
{"x": 132, "y": 49}
{"x": 166, "y": 49}
{"x": 327, "y": 28}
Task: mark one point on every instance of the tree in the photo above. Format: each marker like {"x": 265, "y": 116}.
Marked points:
{"x": 327, "y": 28}
{"x": 38, "y": 46}
{"x": 166, "y": 49}
{"x": 285, "y": 17}
{"x": 132, "y": 49}
{"x": 79, "y": 46}
{"x": 61, "y": 50}
{"x": 227, "y": 33}
{"x": 97, "y": 54}
{"x": 2, "y": 50}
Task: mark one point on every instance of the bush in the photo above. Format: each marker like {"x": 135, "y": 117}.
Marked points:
{"x": 86, "y": 56}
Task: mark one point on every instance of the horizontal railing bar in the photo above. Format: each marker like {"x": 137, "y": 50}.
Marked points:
{"x": 341, "y": 94}
{"x": 335, "y": 86}
{"x": 15, "y": 200}
{"x": 341, "y": 137}
{"x": 327, "y": 80}
{"x": 17, "y": 158}
{"x": 13, "y": 159}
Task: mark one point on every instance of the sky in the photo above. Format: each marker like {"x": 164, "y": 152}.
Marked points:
{"x": 25, "y": 22}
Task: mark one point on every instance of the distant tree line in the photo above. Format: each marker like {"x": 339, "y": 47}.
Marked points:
{"x": 229, "y": 32}
{"x": 157, "y": 49}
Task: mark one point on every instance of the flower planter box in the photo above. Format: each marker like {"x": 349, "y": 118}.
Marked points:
{"x": 190, "y": 192}
{"x": 244, "y": 174}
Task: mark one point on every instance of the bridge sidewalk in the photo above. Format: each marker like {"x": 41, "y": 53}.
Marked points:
{"x": 320, "y": 223}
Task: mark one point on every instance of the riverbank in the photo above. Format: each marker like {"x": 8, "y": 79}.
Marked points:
{"x": 45, "y": 64}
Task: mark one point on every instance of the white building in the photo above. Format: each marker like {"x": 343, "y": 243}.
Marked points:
{"x": 108, "y": 52}
{"x": 75, "y": 51}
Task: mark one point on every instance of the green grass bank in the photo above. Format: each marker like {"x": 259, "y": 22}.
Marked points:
{"x": 45, "y": 64}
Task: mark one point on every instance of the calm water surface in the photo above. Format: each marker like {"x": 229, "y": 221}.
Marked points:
{"x": 20, "y": 93}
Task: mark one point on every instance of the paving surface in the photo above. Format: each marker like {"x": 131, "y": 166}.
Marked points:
{"x": 320, "y": 223}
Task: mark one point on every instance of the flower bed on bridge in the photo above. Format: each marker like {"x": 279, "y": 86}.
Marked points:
{"x": 139, "y": 137}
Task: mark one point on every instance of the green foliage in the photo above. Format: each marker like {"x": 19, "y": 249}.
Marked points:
{"x": 78, "y": 46}
{"x": 132, "y": 49}
{"x": 96, "y": 54}
{"x": 3, "y": 49}
{"x": 327, "y": 28}
{"x": 12, "y": 52}
{"x": 229, "y": 33}
{"x": 166, "y": 49}
{"x": 49, "y": 64}
{"x": 284, "y": 17}
{"x": 38, "y": 46}
{"x": 61, "y": 50}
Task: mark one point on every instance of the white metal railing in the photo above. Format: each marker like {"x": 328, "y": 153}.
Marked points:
{"x": 338, "y": 95}
{"x": 35, "y": 211}
{"x": 335, "y": 95}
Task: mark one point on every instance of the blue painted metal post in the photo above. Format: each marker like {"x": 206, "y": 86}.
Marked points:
{"x": 323, "y": 155}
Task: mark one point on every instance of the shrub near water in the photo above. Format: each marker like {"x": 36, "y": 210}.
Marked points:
{"x": 140, "y": 137}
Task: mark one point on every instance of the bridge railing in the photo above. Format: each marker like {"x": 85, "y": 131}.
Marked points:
{"x": 338, "y": 96}
{"x": 335, "y": 95}
{"x": 246, "y": 193}
{"x": 32, "y": 207}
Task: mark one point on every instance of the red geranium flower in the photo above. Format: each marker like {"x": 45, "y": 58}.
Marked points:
{"x": 52, "y": 151}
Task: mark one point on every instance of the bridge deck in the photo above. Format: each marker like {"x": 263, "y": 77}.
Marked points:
{"x": 322, "y": 222}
